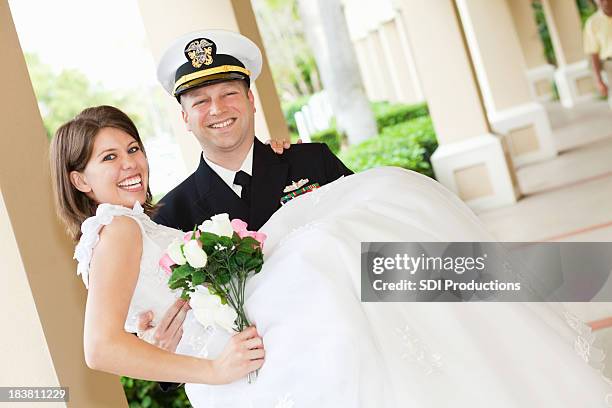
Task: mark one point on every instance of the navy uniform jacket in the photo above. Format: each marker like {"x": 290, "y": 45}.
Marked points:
{"x": 204, "y": 194}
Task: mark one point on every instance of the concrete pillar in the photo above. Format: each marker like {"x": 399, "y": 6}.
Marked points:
{"x": 573, "y": 77}
{"x": 409, "y": 56}
{"x": 540, "y": 73}
{"x": 368, "y": 73}
{"x": 406, "y": 87}
{"x": 163, "y": 24}
{"x": 471, "y": 161}
{"x": 376, "y": 58}
{"x": 500, "y": 68}
{"x": 41, "y": 297}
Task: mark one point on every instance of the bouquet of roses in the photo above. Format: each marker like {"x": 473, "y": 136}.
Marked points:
{"x": 211, "y": 264}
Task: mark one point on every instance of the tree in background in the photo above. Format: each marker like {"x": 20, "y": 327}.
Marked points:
{"x": 327, "y": 33}
{"x": 61, "y": 96}
{"x": 291, "y": 60}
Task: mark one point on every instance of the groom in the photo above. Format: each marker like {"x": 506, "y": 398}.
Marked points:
{"x": 209, "y": 73}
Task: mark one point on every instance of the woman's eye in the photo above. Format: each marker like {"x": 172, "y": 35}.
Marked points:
{"x": 108, "y": 157}
{"x": 134, "y": 149}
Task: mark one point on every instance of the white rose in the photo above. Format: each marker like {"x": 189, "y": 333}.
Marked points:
{"x": 175, "y": 253}
{"x": 218, "y": 224}
{"x": 225, "y": 317}
{"x": 194, "y": 254}
{"x": 206, "y": 317}
{"x": 203, "y": 299}
{"x": 208, "y": 310}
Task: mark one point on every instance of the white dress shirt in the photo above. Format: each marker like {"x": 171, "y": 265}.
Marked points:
{"x": 228, "y": 175}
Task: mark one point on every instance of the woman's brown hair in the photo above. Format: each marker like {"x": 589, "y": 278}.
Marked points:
{"x": 71, "y": 149}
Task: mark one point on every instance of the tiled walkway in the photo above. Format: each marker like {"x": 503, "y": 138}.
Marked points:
{"x": 568, "y": 198}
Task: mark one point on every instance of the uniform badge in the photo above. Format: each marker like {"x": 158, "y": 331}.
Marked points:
{"x": 200, "y": 52}
{"x": 295, "y": 185}
{"x": 297, "y": 189}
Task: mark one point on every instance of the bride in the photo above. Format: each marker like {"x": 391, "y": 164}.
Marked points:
{"x": 323, "y": 346}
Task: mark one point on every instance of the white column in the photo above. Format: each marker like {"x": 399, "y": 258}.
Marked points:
{"x": 368, "y": 75}
{"x": 376, "y": 58}
{"x": 470, "y": 160}
{"x": 401, "y": 67}
{"x": 409, "y": 55}
{"x": 573, "y": 77}
{"x": 500, "y": 67}
{"x": 540, "y": 73}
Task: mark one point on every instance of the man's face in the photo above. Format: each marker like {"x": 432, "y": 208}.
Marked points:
{"x": 221, "y": 116}
{"x": 606, "y": 7}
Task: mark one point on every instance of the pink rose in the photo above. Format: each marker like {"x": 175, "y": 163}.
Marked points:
{"x": 166, "y": 262}
{"x": 239, "y": 226}
{"x": 260, "y": 237}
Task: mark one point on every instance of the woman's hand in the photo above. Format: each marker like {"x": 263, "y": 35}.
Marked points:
{"x": 170, "y": 329}
{"x": 243, "y": 354}
{"x": 279, "y": 146}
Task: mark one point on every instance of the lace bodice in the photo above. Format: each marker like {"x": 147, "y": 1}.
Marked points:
{"x": 151, "y": 292}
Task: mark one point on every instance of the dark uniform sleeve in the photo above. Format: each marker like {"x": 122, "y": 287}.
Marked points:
{"x": 165, "y": 387}
{"x": 334, "y": 168}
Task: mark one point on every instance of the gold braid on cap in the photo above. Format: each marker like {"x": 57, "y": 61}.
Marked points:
{"x": 210, "y": 71}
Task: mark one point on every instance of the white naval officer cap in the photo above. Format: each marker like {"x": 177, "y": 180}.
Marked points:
{"x": 207, "y": 57}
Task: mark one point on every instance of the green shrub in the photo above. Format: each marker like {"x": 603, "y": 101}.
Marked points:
{"x": 147, "y": 394}
{"x": 388, "y": 114}
{"x": 408, "y": 145}
{"x": 330, "y": 137}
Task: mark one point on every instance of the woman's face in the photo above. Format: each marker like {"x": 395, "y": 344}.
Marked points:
{"x": 117, "y": 172}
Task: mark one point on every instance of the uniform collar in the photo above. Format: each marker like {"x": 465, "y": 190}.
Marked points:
{"x": 228, "y": 175}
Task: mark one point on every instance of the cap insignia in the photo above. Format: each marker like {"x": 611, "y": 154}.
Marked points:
{"x": 200, "y": 52}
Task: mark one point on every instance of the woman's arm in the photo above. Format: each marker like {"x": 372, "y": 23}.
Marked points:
{"x": 113, "y": 275}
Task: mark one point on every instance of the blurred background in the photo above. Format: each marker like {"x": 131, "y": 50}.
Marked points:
{"x": 493, "y": 98}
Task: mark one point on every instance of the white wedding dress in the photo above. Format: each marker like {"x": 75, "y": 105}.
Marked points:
{"x": 325, "y": 348}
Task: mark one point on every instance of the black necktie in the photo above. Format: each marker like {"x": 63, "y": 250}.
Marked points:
{"x": 243, "y": 180}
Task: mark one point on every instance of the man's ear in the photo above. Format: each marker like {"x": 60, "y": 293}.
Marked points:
{"x": 185, "y": 119}
{"x": 79, "y": 182}
{"x": 252, "y": 100}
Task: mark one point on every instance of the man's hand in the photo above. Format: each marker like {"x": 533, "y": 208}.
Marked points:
{"x": 602, "y": 88}
{"x": 280, "y": 145}
{"x": 170, "y": 329}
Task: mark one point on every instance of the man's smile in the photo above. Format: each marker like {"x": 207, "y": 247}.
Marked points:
{"x": 223, "y": 124}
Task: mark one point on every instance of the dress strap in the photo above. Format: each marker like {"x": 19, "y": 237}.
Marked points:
{"x": 90, "y": 230}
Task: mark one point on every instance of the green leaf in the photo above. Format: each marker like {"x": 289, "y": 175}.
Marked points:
{"x": 249, "y": 242}
{"x": 185, "y": 294}
{"x": 180, "y": 273}
{"x": 254, "y": 263}
{"x": 224, "y": 278}
{"x": 208, "y": 239}
{"x": 241, "y": 258}
{"x": 226, "y": 242}
{"x": 199, "y": 277}
{"x": 181, "y": 283}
